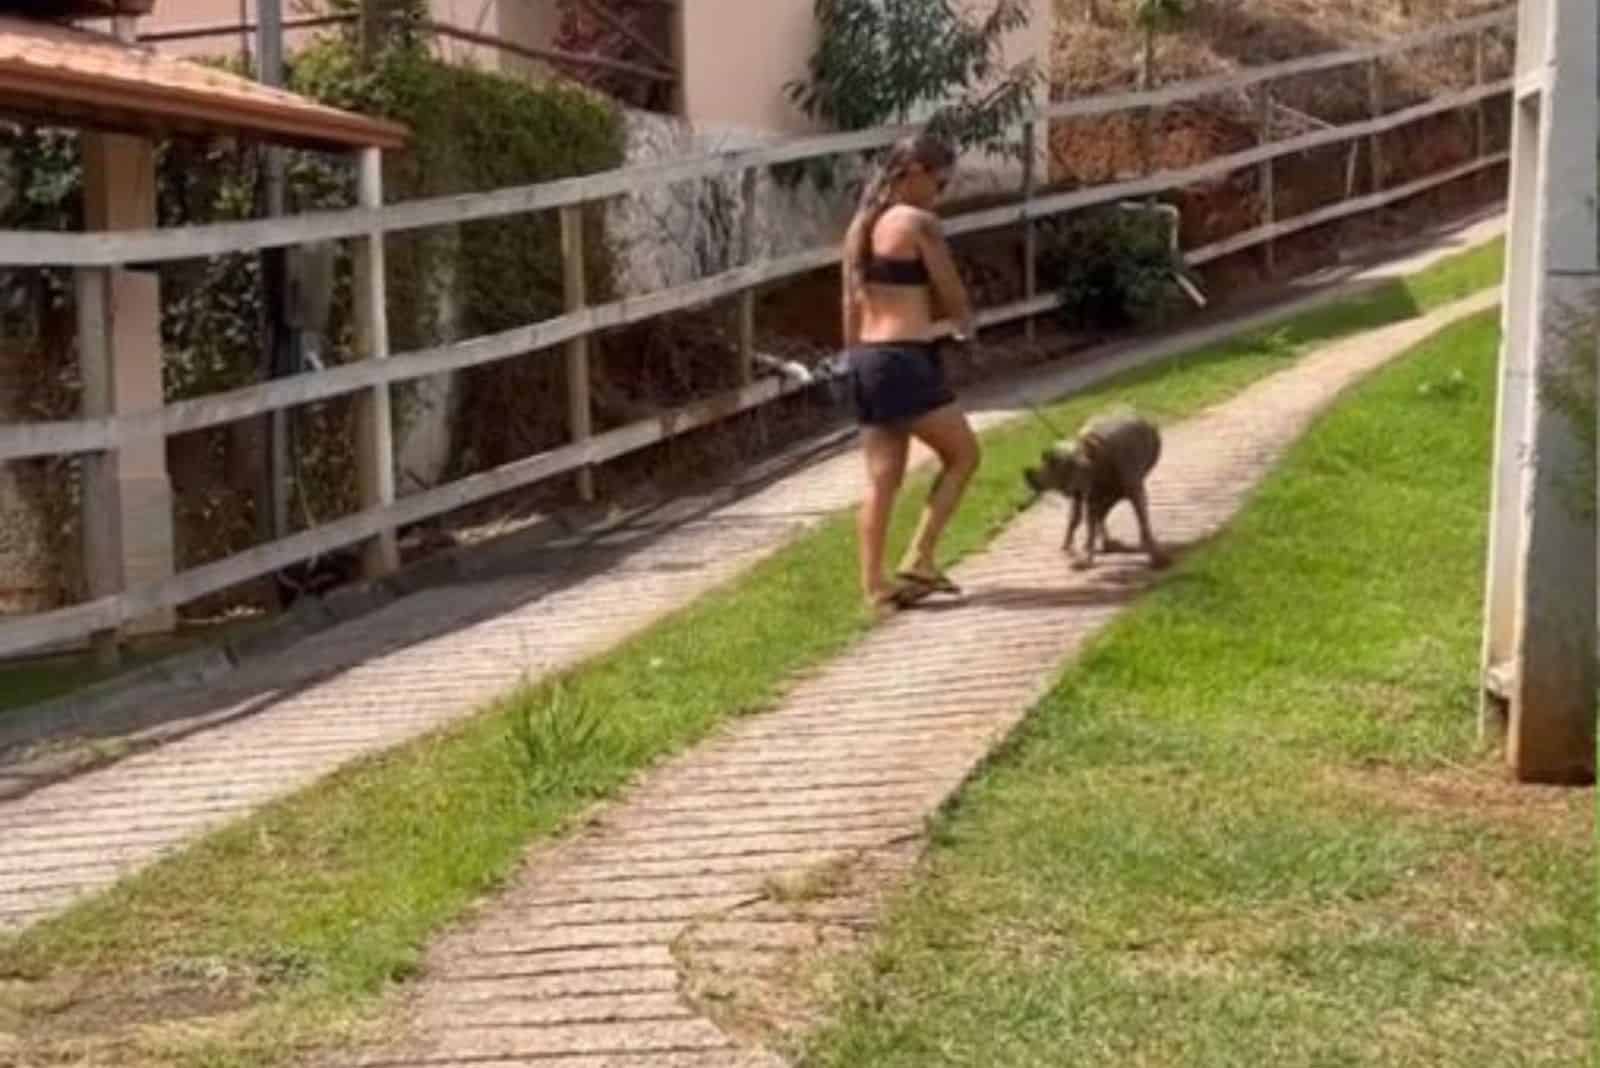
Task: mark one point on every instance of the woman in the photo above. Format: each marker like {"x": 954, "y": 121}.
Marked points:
{"x": 898, "y": 276}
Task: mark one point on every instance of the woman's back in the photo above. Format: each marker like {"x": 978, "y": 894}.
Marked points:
{"x": 897, "y": 299}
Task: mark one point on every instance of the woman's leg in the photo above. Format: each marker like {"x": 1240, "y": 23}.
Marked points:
{"x": 885, "y": 453}
{"x": 947, "y": 432}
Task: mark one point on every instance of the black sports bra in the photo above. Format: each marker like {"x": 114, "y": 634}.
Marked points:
{"x": 894, "y": 271}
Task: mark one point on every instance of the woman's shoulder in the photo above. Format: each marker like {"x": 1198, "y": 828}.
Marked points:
{"x": 911, "y": 217}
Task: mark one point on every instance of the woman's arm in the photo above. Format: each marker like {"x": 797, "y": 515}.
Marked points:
{"x": 942, "y": 272}
{"x": 852, "y": 311}
{"x": 851, "y": 328}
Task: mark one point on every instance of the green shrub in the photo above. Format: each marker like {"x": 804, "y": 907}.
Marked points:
{"x": 1112, "y": 267}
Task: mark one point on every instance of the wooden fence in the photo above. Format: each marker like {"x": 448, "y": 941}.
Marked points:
{"x": 91, "y": 255}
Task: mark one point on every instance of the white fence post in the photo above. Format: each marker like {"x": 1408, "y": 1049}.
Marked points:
{"x": 1540, "y": 599}
{"x": 374, "y": 422}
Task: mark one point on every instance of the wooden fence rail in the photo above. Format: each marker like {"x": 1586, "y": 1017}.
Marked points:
{"x": 370, "y": 378}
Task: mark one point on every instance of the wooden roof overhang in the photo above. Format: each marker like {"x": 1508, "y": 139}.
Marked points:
{"x": 61, "y": 75}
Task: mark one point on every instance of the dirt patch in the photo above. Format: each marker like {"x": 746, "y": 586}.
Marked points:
{"x": 767, "y": 972}
{"x": 100, "y": 1019}
{"x": 1482, "y": 792}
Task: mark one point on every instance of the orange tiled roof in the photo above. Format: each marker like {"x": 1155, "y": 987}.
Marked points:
{"x": 55, "y": 73}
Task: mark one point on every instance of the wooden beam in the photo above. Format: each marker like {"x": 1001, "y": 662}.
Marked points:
{"x": 1030, "y": 228}
{"x": 1267, "y": 180}
{"x": 1375, "y": 106}
{"x": 1344, "y": 209}
{"x": 747, "y": 296}
{"x": 580, "y": 412}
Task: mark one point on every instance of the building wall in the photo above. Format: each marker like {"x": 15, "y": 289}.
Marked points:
{"x": 737, "y": 55}
{"x": 528, "y": 22}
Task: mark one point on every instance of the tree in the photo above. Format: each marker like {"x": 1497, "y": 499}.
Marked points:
{"x": 881, "y": 61}
{"x": 1152, "y": 17}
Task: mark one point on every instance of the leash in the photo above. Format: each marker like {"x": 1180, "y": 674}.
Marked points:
{"x": 1037, "y": 414}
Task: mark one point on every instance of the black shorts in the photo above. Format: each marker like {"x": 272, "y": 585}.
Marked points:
{"x": 898, "y": 381}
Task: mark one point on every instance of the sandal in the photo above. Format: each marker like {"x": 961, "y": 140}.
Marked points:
{"x": 902, "y": 595}
{"x": 937, "y": 582}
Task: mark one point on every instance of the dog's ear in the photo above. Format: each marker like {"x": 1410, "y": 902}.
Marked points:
{"x": 1091, "y": 444}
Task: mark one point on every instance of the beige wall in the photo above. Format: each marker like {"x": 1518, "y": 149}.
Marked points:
{"x": 530, "y": 22}
{"x": 738, "y": 55}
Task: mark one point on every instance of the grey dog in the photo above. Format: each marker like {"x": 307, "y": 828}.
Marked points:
{"x": 1107, "y": 463}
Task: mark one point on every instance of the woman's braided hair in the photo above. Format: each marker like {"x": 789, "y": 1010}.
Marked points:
{"x": 932, "y": 152}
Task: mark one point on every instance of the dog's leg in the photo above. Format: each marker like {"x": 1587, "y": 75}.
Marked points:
{"x": 1073, "y": 521}
{"x": 1097, "y": 533}
{"x": 1147, "y": 538}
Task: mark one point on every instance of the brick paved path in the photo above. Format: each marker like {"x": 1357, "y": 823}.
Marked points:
{"x": 578, "y": 963}
{"x": 435, "y": 656}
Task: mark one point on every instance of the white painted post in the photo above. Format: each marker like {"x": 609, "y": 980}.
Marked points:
{"x": 374, "y": 421}
{"x": 1539, "y": 658}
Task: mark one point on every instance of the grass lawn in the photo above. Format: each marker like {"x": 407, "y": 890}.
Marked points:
{"x": 1251, "y": 825}
{"x": 276, "y": 934}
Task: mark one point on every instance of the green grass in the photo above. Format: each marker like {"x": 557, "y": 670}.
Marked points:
{"x": 1250, "y": 826}
{"x": 307, "y": 909}
{"x": 27, "y": 682}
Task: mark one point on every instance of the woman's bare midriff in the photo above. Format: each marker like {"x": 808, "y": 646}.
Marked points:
{"x": 896, "y": 313}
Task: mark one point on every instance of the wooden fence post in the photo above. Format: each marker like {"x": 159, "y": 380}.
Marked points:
{"x": 580, "y": 423}
{"x": 747, "y": 297}
{"x": 1480, "y": 62}
{"x": 374, "y": 423}
{"x": 1030, "y": 231}
{"x": 102, "y": 541}
{"x": 1375, "y": 93}
{"x": 1480, "y": 77}
{"x": 1267, "y": 180}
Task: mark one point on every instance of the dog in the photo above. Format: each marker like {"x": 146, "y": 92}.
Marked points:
{"x": 1108, "y": 463}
